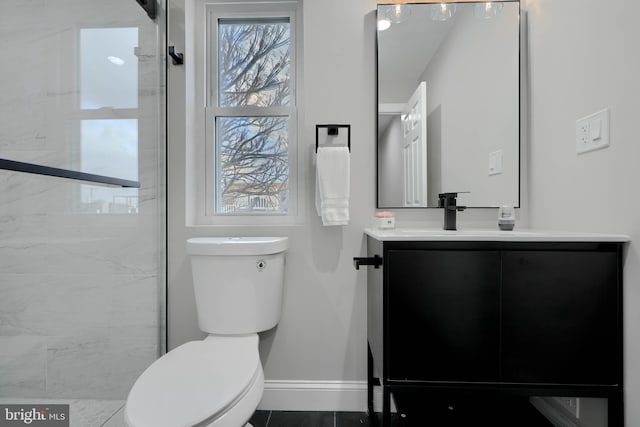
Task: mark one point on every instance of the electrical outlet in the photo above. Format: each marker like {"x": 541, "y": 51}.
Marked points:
{"x": 592, "y": 132}
{"x": 582, "y": 133}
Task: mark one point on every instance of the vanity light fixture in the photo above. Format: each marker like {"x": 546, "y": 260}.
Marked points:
{"x": 399, "y": 12}
{"x": 442, "y": 11}
{"x": 395, "y": 13}
{"x": 488, "y": 10}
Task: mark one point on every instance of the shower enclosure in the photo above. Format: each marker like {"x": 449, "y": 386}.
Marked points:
{"x": 82, "y": 264}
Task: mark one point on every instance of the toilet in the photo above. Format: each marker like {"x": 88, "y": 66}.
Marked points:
{"x": 217, "y": 382}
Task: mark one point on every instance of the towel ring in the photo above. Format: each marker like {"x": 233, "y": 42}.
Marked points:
{"x": 334, "y": 130}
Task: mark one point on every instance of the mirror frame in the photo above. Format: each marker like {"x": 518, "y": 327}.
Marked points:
{"x": 521, "y": 97}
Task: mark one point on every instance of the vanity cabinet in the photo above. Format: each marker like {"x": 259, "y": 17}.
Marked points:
{"x": 560, "y": 316}
{"x": 503, "y": 317}
{"x": 444, "y": 306}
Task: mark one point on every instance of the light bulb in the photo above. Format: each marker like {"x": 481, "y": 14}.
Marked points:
{"x": 395, "y": 13}
{"x": 442, "y": 11}
{"x": 488, "y": 10}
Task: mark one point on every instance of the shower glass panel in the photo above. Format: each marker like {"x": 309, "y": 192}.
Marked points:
{"x": 108, "y": 68}
{"x": 82, "y": 266}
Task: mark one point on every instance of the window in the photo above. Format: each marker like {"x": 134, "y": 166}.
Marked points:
{"x": 108, "y": 117}
{"x": 250, "y": 113}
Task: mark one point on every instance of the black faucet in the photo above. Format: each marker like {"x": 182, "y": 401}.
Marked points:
{"x": 448, "y": 202}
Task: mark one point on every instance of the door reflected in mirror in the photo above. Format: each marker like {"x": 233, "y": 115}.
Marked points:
{"x": 449, "y": 103}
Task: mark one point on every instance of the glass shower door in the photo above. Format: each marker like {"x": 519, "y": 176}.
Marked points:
{"x": 82, "y": 270}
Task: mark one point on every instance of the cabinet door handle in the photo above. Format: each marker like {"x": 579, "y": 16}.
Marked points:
{"x": 376, "y": 261}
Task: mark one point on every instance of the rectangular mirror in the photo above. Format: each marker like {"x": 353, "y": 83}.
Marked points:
{"x": 448, "y": 103}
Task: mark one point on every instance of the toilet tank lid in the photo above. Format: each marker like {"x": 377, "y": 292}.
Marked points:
{"x": 236, "y": 245}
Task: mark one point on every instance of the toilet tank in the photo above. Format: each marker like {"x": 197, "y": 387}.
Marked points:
{"x": 237, "y": 282}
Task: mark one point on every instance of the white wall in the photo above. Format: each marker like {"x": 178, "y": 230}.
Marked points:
{"x": 321, "y": 338}
{"x": 322, "y": 333}
{"x": 584, "y": 57}
{"x": 483, "y": 97}
{"x": 390, "y": 164}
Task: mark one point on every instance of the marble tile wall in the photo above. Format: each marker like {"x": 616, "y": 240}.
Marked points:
{"x": 81, "y": 293}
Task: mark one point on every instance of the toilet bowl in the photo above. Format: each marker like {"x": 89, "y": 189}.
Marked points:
{"x": 216, "y": 382}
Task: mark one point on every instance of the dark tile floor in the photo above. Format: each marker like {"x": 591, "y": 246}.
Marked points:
{"x": 312, "y": 419}
{"x": 421, "y": 415}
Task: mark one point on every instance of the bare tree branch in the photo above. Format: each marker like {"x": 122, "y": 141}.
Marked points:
{"x": 255, "y": 64}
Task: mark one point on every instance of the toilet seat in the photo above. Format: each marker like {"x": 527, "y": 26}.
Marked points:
{"x": 196, "y": 383}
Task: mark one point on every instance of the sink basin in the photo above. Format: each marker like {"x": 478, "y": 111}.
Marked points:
{"x": 437, "y": 232}
{"x": 487, "y": 235}
{"x": 434, "y": 231}
{"x": 458, "y": 234}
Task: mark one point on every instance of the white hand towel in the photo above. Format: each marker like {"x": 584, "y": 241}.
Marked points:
{"x": 332, "y": 185}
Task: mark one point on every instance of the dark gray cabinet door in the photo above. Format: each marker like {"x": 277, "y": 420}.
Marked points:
{"x": 443, "y": 315}
{"x": 560, "y": 317}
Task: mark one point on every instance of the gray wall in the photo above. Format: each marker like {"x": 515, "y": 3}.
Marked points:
{"x": 322, "y": 333}
{"x": 390, "y": 164}
{"x": 472, "y": 88}
{"x": 583, "y": 58}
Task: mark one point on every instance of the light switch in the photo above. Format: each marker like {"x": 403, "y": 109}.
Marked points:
{"x": 495, "y": 162}
{"x": 592, "y": 132}
{"x": 595, "y": 128}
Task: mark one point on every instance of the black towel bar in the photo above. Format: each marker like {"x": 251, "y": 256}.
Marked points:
{"x": 376, "y": 261}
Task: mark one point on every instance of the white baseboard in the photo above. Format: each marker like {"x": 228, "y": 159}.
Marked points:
{"x": 342, "y": 396}
{"x": 346, "y": 396}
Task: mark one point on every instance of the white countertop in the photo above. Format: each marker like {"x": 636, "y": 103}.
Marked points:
{"x": 488, "y": 235}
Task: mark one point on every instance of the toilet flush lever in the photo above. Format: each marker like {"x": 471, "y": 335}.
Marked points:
{"x": 376, "y": 261}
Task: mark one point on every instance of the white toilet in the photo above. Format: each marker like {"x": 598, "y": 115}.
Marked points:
{"x": 217, "y": 382}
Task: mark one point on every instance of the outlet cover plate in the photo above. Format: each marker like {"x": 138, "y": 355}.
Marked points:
{"x": 592, "y": 132}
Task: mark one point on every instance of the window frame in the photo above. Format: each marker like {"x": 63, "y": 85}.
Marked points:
{"x": 208, "y": 90}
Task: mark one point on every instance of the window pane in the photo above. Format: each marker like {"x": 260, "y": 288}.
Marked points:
{"x": 252, "y": 165}
{"x": 254, "y": 62}
{"x": 109, "y": 147}
{"x": 108, "y": 68}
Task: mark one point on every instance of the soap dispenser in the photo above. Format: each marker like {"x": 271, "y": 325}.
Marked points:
{"x": 506, "y": 218}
